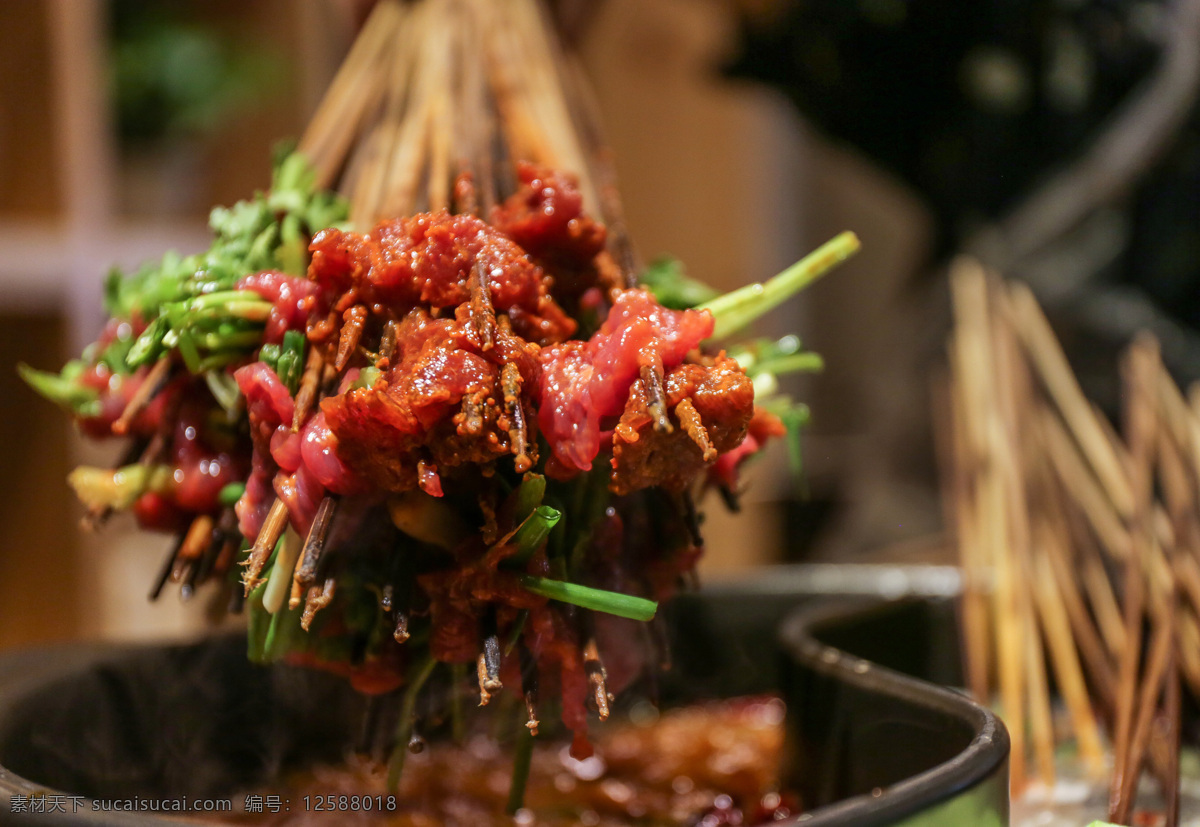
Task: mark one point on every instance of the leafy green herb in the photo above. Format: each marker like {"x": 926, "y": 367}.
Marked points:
{"x": 534, "y": 531}
{"x": 189, "y": 305}
{"x": 408, "y": 706}
{"x": 671, "y": 286}
{"x": 795, "y": 416}
{"x": 119, "y": 488}
{"x": 231, "y": 493}
{"x": 269, "y": 355}
{"x": 522, "y": 760}
{"x": 64, "y": 389}
{"x": 807, "y": 362}
{"x": 290, "y": 364}
{"x": 224, "y": 389}
{"x": 733, "y": 311}
{"x": 199, "y": 288}
{"x": 613, "y": 603}
{"x": 367, "y": 377}
{"x": 530, "y": 494}
{"x": 258, "y": 625}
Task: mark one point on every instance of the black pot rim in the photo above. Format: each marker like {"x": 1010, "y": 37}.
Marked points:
{"x": 986, "y": 753}
{"x": 798, "y": 641}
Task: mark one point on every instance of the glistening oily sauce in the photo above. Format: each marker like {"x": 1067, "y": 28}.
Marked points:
{"x": 705, "y": 765}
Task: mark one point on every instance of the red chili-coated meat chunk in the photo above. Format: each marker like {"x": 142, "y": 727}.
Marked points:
{"x": 428, "y": 260}
{"x": 712, "y": 406}
{"x": 584, "y": 382}
{"x": 441, "y": 402}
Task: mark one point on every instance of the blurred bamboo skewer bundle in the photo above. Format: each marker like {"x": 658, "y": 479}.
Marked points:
{"x": 1080, "y": 547}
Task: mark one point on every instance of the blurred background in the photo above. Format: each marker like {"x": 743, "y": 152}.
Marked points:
{"x": 1057, "y": 139}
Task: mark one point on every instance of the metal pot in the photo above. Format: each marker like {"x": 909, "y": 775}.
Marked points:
{"x": 872, "y": 746}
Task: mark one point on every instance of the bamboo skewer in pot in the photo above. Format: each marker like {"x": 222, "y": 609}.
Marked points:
{"x": 1047, "y": 501}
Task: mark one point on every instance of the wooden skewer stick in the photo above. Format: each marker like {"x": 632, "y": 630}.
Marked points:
{"x": 400, "y": 630}
{"x": 521, "y": 131}
{"x": 483, "y": 134}
{"x": 1187, "y": 569}
{"x": 1171, "y": 728}
{"x": 987, "y": 448}
{"x": 693, "y": 424}
{"x": 488, "y": 669}
{"x": 956, "y": 482}
{"x": 223, "y": 544}
{"x": 586, "y": 112}
{"x": 409, "y": 154}
{"x": 1047, "y": 356}
{"x": 483, "y": 315}
{"x": 314, "y": 543}
{"x": 1080, "y": 487}
{"x": 1057, "y": 626}
{"x": 1130, "y": 765}
{"x": 155, "y": 380}
{"x": 272, "y": 529}
{"x": 1083, "y": 488}
{"x": 529, "y": 687}
{"x": 318, "y": 598}
{"x": 1040, "y": 717}
{"x": 1178, "y": 421}
{"x": 355, "y": 318}
{"x": 333, "y": 128}
{"x": 196, "y": 541}
{"x": 368, "y": 170}
{"x": 1189, "y": 649}
{"x": 1140, "y": 422}
{"x": 1180, "y": 484}
{"x": 1013, "y": 458}
{"x": 1193, "y": 405}
{"x": 440, "y": 121}
{"x": 597, "y": 677}
{"x": 656, "y": 397}
{"x": 168, "y": 566}
{"x": 510, "y": 381}
{"x": 309, "y": 381}
{"x": 1097, "y": 656}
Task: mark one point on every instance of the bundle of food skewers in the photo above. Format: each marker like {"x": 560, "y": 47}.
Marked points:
{"x": 442, "y": 422}
{"x": 1079, "y": 543}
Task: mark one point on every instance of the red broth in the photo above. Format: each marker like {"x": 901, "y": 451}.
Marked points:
{"x": 707, "y": 765}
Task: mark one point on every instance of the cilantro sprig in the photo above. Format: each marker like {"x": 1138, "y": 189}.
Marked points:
{"x": 188, "y": 305}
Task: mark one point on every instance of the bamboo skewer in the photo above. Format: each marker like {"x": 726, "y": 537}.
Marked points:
{"x": 1101, "y": 594}
{"x": 955, "y": 493}
{"x": 986, "y": 445}
{"x": 1058, "y": 541}
{"x": 392, "y": 133}
{"x": 1046, "y": 499}
{"x": 1085, "y": 635}
{"x": 1077, "y": 478}
{"x": 333, "y": 128}
{"x": 1040, "y": 716}
{"x": 1012, "y": 404}
{"x": 1140, "y": 425}
{"x": 1051, "y": 363}
{"x": 1066, "y": 662}
{"x": 1130, "y": 764}
{"x": 1172, "y": 704}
